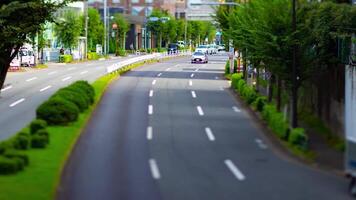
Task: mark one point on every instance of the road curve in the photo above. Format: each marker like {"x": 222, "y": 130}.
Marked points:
{"x": 172, "y": 131}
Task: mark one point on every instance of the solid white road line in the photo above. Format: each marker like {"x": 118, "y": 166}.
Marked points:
{"x": 150, "y": 109}
{"x": 261, "y": 144}
{"x": 83, "y": 72}
{"x": 194, "y": 95}
{"x": 160, "y": 74}
{"x": 210, "y": 134}
{"x": 149, "y": 133}
{"x": 67, "y": 78}
{"x": 17, "y": 102}
{"x": 154, "y": 169}
{"x": 151, "y": 93}
{"x": 190, "y": 82}
{"x": 154, "y": 82}
{"x": 45, "y": 88}
{"x": 31, "y": 79}
{"x": 192, "y": 75}
{"x": 52, "y": 73}
{"x": 6, "y": 88}
{"x": 237, "y": 173}
{"x": 236, "y": 109}
{"x": 200, "y": 111}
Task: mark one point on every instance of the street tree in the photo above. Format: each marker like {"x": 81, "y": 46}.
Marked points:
{"x": 122, "y": 28}
{"x": 18, "y": 20}
{"x": 68, "y": 29}
{"x": 95, "y": 29}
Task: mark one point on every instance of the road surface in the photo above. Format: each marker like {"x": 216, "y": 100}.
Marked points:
{"x": 173, "y": 131}
{"x": 24, "y": 91}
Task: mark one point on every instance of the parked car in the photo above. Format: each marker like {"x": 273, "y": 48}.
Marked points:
{"x": 199, "y": 57}
{"x": 221, "y": 47}
{"x": 202, "y": 48}
{"x": 172, "y": 48}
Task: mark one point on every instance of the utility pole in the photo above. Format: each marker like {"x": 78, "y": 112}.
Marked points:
{"x": 86, "y": 30}
{"x": 105, "y": 26}
{"x": 294, "y": 109}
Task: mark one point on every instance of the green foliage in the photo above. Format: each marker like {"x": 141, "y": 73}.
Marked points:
{"x": 57, "y": 111}
{"x": 21, "y": 141}
{"x": 68, "y": 29}
{"x": 73, "y": 96}
{"x": 227, "y": 68}
{"x": 39, "y": 141}
{"x": 260, "y": 103}
{"x": 65, "y": 58}
{"x": 36, "y": 125}
{"x": 43, "y": 132}
{"x": 276, "y": 121}
{"x": 298, "y": 138}
{"x": 122, "y": 28}
{"x": 92, "y": 56}
{"x": 235, "y": 79}
{"x": 95, "y": 31}
{"x": 85, "y": 87}
{"x": 16, "y": 154}
{"x": 121, "y": 52}
{"x": 9, "y": 166}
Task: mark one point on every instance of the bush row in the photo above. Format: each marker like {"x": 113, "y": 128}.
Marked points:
{"x": 12, "y": 156}
{"x": 65, "y": 105}
{"x": 92, "y": 56}
{"x": 275, "y": 120}
{"x": 66, "y": 58}
{"x": 227, "y": 67}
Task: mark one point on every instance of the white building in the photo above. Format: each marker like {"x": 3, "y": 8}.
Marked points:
{"x": 200, "y": 12}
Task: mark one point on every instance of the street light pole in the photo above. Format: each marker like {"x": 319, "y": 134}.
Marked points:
{"x": 86, "y": 29}
{"x": 105, "y": 26}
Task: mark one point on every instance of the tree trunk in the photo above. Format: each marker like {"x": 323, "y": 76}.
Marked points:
{"x": 257, "y": 77}
{"x": 279, "y": 92}
{"x": 244, "y": 68}
{"x": 270, "y": 88}
{"x": 7, "y": 55}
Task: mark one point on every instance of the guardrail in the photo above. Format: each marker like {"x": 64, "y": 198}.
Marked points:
{"x": 130, "y": 61}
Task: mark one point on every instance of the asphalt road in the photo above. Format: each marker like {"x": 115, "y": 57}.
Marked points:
{"x": 24, "y": 91}
{"x": 173, "y": 131}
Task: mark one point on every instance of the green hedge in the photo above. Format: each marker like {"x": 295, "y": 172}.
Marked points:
{"x": 227, "y": 67}
{"x": 57, "y": 111}
{"x": 65, "y": 58}
{"x": 36, "y": 125}
{"x": 92, "y": 56}
{"x": 276, "y": 121}
{"x": 121, "y": 52}
{"x": 298, "y": 138}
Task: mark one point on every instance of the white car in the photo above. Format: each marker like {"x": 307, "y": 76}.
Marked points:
{"x": 199, "y": 57}
{"x": 203, "y": 49}
{"x": 221, "y": 47}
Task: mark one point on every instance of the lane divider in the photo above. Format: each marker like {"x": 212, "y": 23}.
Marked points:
{"x": 154, "y": 169}
{"x": 192, "y": 75}
{"x": 190, "y": 83}
{"x": 45, "y": 88}
{"x": 151, "y": 93}
{"x": 236, "y": 109}
{"x": 31, "y": 79}
{"x": 150, "y": 109}
{"x": 154, "y": 82}
{"x": 17, "y": 102}
{"x": 194, "y": 95}
{"x": 67, "y": 78}
{"x": 160, "y": 74}
{"x": 200, "y": 111}
{"x": 6, "y": 88}
{"x": 83, "y": 72}
{"x": 261, "y": 144}
{"x": 210, "y": 134}
{"x": 149, "y": 133}
{"x": 55, "y": 72}
{"x": 235, "y": 171}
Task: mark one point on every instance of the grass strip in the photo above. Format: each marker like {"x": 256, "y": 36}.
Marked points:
{"x": 40, "y": 179}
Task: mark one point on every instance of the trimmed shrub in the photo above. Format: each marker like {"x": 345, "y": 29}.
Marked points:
{"x": 16, "y": 154}
{"x": 298, "y": 138}
{"x": 235, "y": 78}
{"x": 85, "y": 87}
{"x": 227, "y": 67}
{"x": 276, "y": 121}
{"x": 249, "y": 94}
{"x": 36, "y": 125}
{"x": 22, "y": 141}
{"x": 235, "y": 66}
{"x": 38, "y": 141}
{"x": 122, "y": 52}
{"x": 43, "y": 132}
{"x": 57, "y": 111}
{"x": 73, "y": 96}
{"x": 65, "y": 58}
{"x": 241, "y": 85}
{"x": 92, "y": 56}
{"x": 9, "y": 166}
{"x": 260, "y": 103}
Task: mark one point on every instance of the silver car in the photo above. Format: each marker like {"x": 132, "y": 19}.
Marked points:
{"x": 199, "y": 57}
